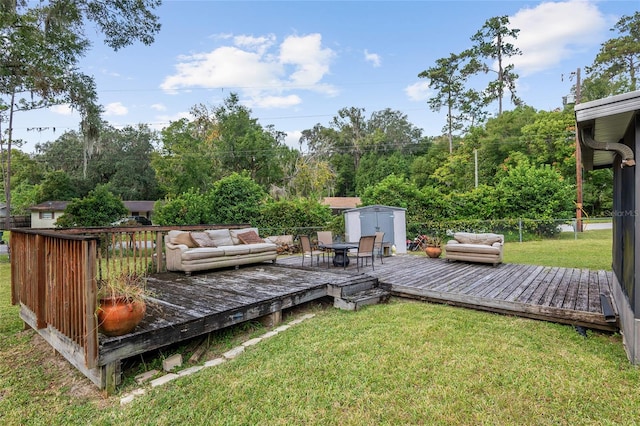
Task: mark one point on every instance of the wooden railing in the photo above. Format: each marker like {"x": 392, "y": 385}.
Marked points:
{"x": 54, "y": 276}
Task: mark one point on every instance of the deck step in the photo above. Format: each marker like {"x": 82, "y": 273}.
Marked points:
{"x": 362, "y": 298}
{"x": 352, "y": 286}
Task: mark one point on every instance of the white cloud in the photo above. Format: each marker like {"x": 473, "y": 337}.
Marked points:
{"x": 275, "y": 101}
{"x": 310, "y": 60}
{"x": 159, "y": 107}
{"x": 257, "y": 44}
{"x": 259, "y": 68}
{"x": 293, "y": 139}
{"x": 64, "y": 109}
{"x": 553, "y": 31}
{"x": 163, "y": 121}
{"x": 115, "y": 109}
{"x": 418, "y": 91}
{"x": 374, "y": 58}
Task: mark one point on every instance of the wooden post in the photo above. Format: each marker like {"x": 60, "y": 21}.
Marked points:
{"x": 41, "y": 284}
{"x": 89, "y": 249}
{"x": 578, "y": 164}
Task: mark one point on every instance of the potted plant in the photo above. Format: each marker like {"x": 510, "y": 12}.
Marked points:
{"x": 121, "y": 302}
{"x": 432, "y": 246}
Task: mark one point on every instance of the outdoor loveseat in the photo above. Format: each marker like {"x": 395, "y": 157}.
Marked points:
{"x": 470, "y": 247}
{"x": 216, "y": 248}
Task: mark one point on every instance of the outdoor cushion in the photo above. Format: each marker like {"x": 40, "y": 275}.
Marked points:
{"x": 473, "y": 248}
{"x": 235, "y": 232}
{"x": 183, "y": 238}
{"x": 202, "y": 239}
{"x": 261, "y": 247}
{"x": 471, "y": 238}
{"x": 250, "y": 237}
{"x": 220, "y": 237}
{"x": 202, "y": 253}
{"x": 236, "y": 250}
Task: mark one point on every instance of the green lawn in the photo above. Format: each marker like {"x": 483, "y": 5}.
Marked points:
{"x": 592, "y": 250}
{"x": 399, "y": 363}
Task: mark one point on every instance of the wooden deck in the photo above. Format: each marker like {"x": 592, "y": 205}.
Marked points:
{"x": 186, "y": 307}
{"x": 563, "y": 295}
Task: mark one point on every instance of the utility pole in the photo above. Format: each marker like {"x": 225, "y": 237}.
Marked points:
{"x": 578, "y": 163}
{"x": 475, "y": 156}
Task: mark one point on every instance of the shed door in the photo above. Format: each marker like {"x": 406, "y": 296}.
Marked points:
{"x": 372, "y": 222}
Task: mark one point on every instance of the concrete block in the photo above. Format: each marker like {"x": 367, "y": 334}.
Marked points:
{"x": 191, "y": 370}
{"x": 172, "y": 362}
{"x": 164, "y": 379}
{"x": 233, "y": 353}
{"x": 252, "y": 342}
{"x": 214, "y": 362}
{"x": 146, "y": 376}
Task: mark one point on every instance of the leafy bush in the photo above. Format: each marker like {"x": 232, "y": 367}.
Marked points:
{"x": 99, "y": 208}
{"x": 189, "y": 208}
{"x": 292, "y": 216}
{"x": 237, "y": 199}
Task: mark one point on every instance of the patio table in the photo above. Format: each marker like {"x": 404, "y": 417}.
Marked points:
{"x": 340, "y": 257}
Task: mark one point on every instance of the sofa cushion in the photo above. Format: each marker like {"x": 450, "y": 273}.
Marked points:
{"x": 235, "y": 232}
{"x": 236, "y": 250}
{"x": 220, "y": 237}
{"x": 262, "y": 248}
{"x": 472, "y": 248}
{"x": 202, "y": 253}
{"x": 202, "y": 239}
{"x": 471, "y": 238}
{"x": 250, "y": 237}
{"x": 182, "y": 237}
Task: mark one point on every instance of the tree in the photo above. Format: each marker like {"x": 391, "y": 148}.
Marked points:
{"x": 312, "y": 177}
{"x": 448, "y": 78}
{"x": 57, "y": 186}
{"x": 619, "y": 58}
{"x": 238, "y": 199}
{"x": 185, "y": 159}
{"x": 394, "y": 132}
{"x": 492, "y": 43}
{"x": 99, "y": 208}
{"x": 535, "y": 192}
{"x": 42, "y": 44}
{"x": 124, "y": 161}
{"x": 242, "y": 144}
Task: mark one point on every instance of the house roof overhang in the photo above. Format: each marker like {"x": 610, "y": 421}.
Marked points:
{"x": 601, "y": 125}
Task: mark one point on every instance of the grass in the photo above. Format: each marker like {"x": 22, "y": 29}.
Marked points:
{"x": 592, "y": 250}
{"x": 399, "y": 363}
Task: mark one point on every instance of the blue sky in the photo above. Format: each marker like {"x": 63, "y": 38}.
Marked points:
{"x": 296, "y": 63}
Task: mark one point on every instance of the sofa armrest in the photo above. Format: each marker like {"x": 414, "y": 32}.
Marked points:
{"x": 173, "y": 255}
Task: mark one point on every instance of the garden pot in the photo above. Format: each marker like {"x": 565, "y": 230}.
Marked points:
{"x": 118, "y": 315}
{"x": 433, "y": 252}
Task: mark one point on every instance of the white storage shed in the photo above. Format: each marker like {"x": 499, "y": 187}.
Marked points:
{"x": 371, "y": 219}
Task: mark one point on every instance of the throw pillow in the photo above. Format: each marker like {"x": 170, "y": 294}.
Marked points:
{"x": 202, "y": 239}
{"x": 250, "y": 238}
{"x": 220, "y": 237}
{"x": 185, "y": 238}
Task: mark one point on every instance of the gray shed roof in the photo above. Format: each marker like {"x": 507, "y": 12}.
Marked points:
{"x": 605, "y": 121}
{"x": 375, "y": 207}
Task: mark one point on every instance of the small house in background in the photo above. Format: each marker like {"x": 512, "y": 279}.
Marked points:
{"x": 339, "y": 204}
{"x": 371, "y": 219}
{"x": 609, "y": 133}
{"x": 45, "y": 215}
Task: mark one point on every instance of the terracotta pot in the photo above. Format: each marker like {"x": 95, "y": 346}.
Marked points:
{"x": 433, "y": 252}
{"x": 118, "y": 316}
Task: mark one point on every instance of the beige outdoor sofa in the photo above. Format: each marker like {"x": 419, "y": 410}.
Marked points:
{"x": 216, "y": 248}
{"x": 469, "y": 247}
